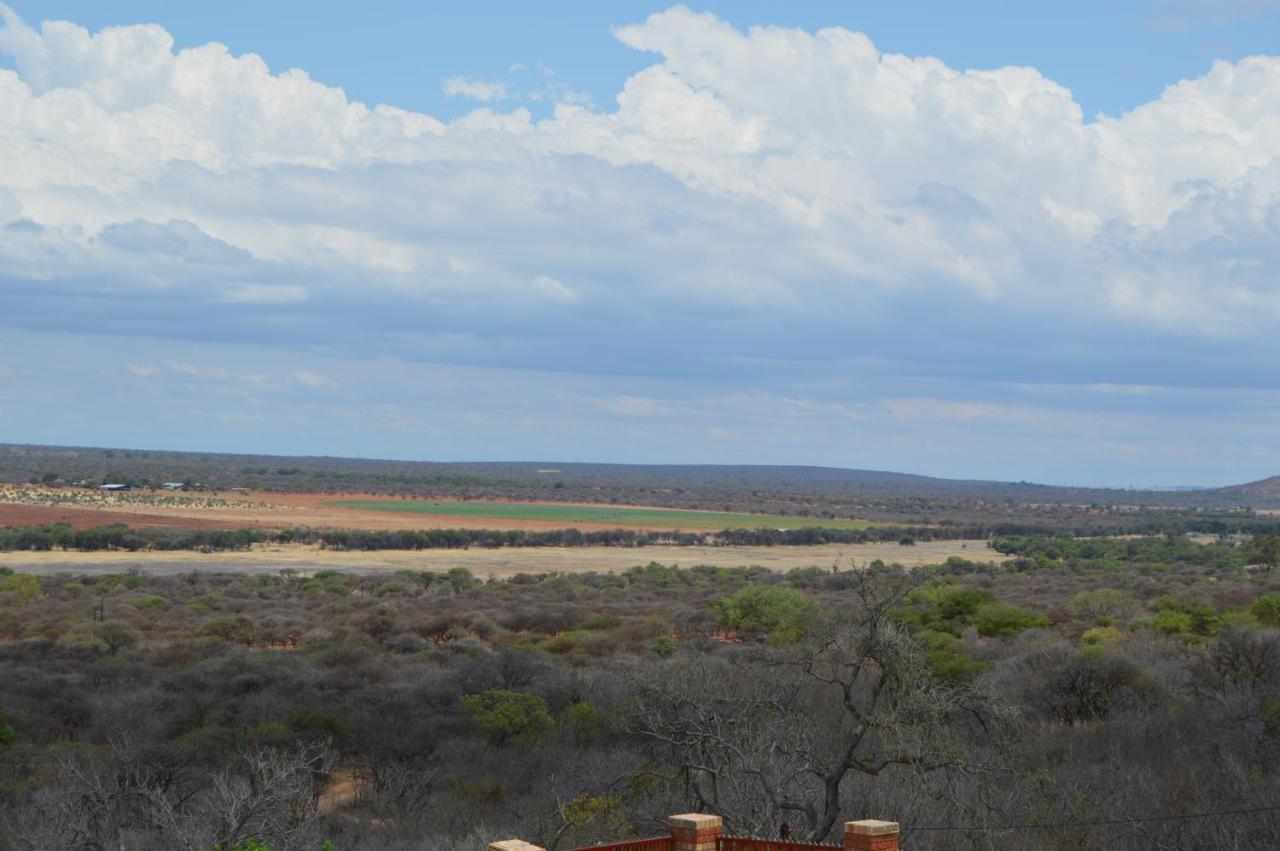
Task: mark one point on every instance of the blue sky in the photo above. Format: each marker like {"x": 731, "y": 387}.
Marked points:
{"x": 1113, "y": 56}
{"x": 998, "y": 241}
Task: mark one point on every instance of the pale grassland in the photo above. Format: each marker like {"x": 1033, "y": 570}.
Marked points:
{"x": 269, "y": 558}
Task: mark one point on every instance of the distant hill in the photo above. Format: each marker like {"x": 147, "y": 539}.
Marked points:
{"x": 1264, "y": 492}
{"x": 660, "y": 484}
{"x": 832, "y": 481}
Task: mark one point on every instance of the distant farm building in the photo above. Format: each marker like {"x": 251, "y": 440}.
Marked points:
{"x": 113, "y": 487}
{"x": 174, "y": 486}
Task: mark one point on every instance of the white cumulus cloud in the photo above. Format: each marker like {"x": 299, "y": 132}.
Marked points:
{"x": 754, "y": 203}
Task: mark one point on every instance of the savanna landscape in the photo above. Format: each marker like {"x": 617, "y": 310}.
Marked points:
{"x": 433, "y": 666}
{"x": 639, "y": 426}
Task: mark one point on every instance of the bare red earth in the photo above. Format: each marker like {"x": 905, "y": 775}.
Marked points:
{"x": 85, "y": 518}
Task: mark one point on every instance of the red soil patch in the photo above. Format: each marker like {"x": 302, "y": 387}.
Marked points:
{"x": 85, "y": 518}
{"x": 342, "y": 791}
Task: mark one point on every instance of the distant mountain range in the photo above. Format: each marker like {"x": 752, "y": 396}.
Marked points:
{"x": 565, "y": 480}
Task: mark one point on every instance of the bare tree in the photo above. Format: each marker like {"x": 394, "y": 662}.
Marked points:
{"x": 269, "y": 794}
{"x": 765, "y": 735}
{"x": 125, "y": 796}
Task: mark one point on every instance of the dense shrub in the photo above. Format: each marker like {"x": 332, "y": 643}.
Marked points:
{"x": 765, "y": 609}
{"x": 508, "y": 716}
{"x": 1005, "y": 619}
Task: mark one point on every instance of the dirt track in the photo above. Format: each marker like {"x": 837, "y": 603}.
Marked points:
{"x": 501, "y": 562}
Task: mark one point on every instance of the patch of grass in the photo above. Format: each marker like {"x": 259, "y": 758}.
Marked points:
{"x": 657, "y": 518}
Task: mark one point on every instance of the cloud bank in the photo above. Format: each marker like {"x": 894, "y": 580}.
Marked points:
{"x": 771, "y": 211}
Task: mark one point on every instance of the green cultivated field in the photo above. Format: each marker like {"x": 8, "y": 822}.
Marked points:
{"x": 658, "y": 518}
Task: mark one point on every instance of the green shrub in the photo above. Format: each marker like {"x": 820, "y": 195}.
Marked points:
{"x": 508, "y": 716}
{"x": 239, "y": 629}
{"x": 765, "y": 609}
{"x": 1173, "y": 622}
{"x": 1264, "y": 550}
{"x": 328, "y": 582}
{"x": 560, "y": 645}
{"x": 1186, "y": 618}
{"x": 953, "y": 668}
{"x": 151, "y": 601}
{"x": 961, "y": 604}
{"x": 311, "y": 721}
{"x": 1101, "y": 636}
{"x": 933, "y": 639}
{"x": 251, "y": 845}
{"x": 600, "y": 620}
{"x": 582, "y": 721}
{"x": 663, "y": 645}
{"x": 460, "y": 579}
{"x": 1267, "y": 609}
{"x": 423, "y": 578}
{"x": 950, "y": 605}
{"x": 1005, "y": 619}
{"x": 23, "y": 586}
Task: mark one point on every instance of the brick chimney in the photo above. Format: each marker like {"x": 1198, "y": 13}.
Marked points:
{"x": 871, "y": 835}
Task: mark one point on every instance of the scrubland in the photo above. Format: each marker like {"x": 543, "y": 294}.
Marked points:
{"x": 1080, "y": 694}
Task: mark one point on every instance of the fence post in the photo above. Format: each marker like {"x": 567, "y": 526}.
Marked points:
{"x": 695, "y": 832}
{"x": 870, "y": 835}
{"x": 514, "y": 845}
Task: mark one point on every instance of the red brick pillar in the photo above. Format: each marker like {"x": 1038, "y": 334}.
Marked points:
{"x": 695, "y": 832}
{"x": 871, "y": 835}
{"x": 514, "y": 845}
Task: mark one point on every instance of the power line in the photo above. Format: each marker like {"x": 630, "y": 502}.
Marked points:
{"x": 1100, "y": 822}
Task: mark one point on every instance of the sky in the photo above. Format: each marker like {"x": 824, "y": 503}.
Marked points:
{"x": 989, "y": 240}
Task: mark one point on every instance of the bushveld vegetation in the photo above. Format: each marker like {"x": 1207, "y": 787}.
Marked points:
{"x": 120, "y": 536}
{"x": 1086, "y": 694}
{"x": 123, "y": 537}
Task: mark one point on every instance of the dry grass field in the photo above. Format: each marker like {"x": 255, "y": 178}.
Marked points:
{"x": 500, "y": 562}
